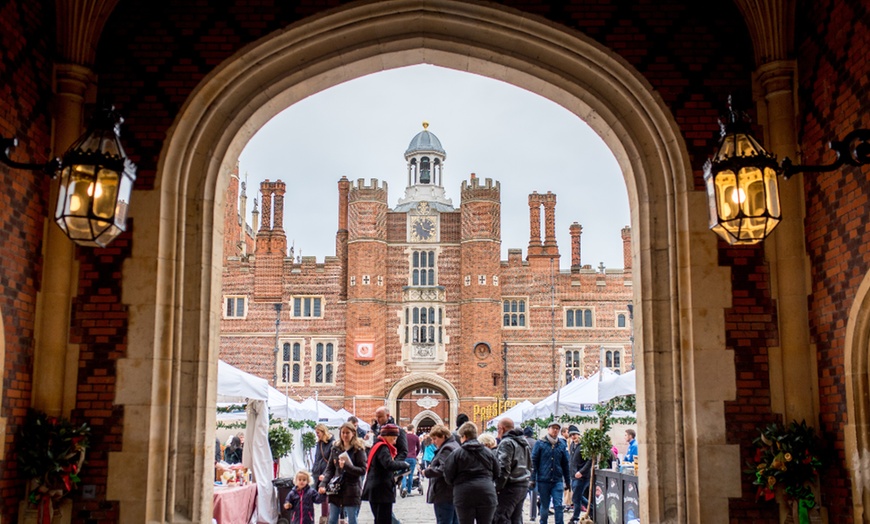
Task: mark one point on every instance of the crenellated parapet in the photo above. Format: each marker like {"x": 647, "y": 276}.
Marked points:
{"x": 480, "y": 189}
{"x": 373, "y": 190}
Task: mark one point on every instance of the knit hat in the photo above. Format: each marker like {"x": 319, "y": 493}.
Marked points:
{"x": 572, "y": 430}
{"x": 528, "y": 431}
{"x": 390, "y": 430}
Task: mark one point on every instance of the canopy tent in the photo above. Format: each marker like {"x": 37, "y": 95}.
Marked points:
{"x": 234, "y": 385}
{"x": 346, "y": 414}
{"x": 283, "y": 407}
{"x": 323, "y": 413}
{"x": 571, "y": 397}
{"x": 515, "y": 413}
{"x": 617, "y": 386}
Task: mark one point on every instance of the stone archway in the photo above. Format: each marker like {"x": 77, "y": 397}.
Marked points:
{"x": 424, "y": 380}
{"x": 172, "y": 280}
{"x": 426, "y": 414}
{"x": 857, "y": 431}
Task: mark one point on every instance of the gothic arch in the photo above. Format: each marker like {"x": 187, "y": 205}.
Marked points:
{"x": 424, "y": 379}
{"x": 172, "y": 280}
{"x": 857, "y": 431}
{"x": 427, "y": 414}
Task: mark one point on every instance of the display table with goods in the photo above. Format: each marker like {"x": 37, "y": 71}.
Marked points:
{"x": 235, "y": 504}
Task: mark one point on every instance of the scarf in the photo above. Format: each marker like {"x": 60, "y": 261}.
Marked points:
{"x": 378, "y": 444}
{"x": 551, "y": 440}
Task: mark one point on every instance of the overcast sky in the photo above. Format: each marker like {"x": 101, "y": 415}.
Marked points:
{"x": 362, "y": 128}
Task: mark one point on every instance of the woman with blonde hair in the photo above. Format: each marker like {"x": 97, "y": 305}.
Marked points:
{"x": 440, "y": 494}
{"x": 488, "y": 440}
{"x": 347, "y": 462}
{"x": 322, "y": 448}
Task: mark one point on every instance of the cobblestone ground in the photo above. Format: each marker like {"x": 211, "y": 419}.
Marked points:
{"x": 414, "y": 510}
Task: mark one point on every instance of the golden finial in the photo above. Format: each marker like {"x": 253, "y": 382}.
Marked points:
{"x": 425, "y": 124}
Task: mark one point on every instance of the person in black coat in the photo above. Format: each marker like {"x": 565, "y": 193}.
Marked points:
{"x": 580, "y": 469}
{"x": 233, "y": 453}
{"x": 472, "y": 471}
{"x": 440, "y": 494}
{"x": 379, "y": 488}
{"x": 351, "y": 472}
{"x": 324, "y": 444}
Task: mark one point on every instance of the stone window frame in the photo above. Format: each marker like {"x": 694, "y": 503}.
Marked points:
{"x": 326, "y": 363}
{"x": 295, "y": 313}
{"x": 624, "y": 315}
{"x": 611, "y": 352}
{"x": 281, "y": 362}
{"x": 588, "y": 316}
{"x": 436, "y": 325}
{"x": 577, "y": 366}
{"x": 235, "y": 298}
{"x": 432, "y": 269}
{"x": 524, "y": 314}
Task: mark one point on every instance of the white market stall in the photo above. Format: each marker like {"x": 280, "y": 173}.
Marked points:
{"x": 617, "y": 386}
{"x": 570, "y": 398}
{"x": 323, "y": 413}
{"x": 234, "y": 385}
{"x": 515, "y": 413}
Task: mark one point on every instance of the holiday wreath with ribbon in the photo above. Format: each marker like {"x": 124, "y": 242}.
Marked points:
{"x": 788, "y": 459}
{"x": 50, "y": 453}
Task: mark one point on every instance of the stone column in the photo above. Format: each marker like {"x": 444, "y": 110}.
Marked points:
{"x": 60, "y": 276}
{"x": 795, "y": 391}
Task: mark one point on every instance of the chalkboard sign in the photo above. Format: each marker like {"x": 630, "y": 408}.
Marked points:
{"x": 598, "y": 498}
{"x": 613, "y": 500}
{"x": 630, "y": 499}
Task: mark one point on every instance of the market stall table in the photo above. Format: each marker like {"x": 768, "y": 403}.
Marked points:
{"x": 234, "y": 505}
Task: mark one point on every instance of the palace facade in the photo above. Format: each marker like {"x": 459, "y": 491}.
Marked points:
{"x": 416, "y": 309}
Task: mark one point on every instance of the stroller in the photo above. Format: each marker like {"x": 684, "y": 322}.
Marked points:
{"x": 284, "y": 486}
{"x": 416, "y": 484}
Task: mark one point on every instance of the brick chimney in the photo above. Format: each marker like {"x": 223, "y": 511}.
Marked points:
{"x": 576, "y": 230}
{"x": 535, "y": 224}
{"x": 549, "y": 201}
{"x": 626, "y": 247}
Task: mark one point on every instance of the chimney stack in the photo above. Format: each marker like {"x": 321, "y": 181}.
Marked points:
{"x": 576, "y": 230}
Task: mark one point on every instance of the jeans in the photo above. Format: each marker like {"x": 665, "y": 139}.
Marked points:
{"x": 547, "y": 491}
{"x": 335, "y": 513}
{"x": 408, "y": 481}
{"x": 445, "y": 513}
{"x": 580, "y": 490}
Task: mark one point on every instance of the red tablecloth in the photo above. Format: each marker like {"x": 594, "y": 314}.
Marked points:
{"x": 234, "y": 505}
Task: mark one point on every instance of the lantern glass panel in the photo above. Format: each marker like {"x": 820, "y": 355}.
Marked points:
{"x": 105, "y": 194}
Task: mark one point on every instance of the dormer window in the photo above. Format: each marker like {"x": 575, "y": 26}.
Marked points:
{"x": 425, "y": 177}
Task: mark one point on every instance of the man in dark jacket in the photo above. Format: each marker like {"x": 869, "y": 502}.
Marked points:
{"x": 580, "y": 469}
{"x": 514, "y": 457}
{"x": 472, "y": 471}
{"x": 550, "y": 464}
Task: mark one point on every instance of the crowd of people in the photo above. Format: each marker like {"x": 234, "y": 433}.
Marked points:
{"x": 472, "y": 478}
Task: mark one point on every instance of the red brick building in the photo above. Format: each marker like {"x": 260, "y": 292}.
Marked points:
{"x": 417, "y": 309}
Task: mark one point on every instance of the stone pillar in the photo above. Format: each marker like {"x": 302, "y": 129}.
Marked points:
{"x": 51, "y": 373}
{"x": 795, "y": 390}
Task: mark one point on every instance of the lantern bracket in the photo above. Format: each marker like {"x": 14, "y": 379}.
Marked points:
{"x": 853, "y": 150}
{"x": 51, "y": 168}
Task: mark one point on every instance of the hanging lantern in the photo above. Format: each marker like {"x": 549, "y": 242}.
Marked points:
{"x": 95, "y": 183}
{"x": 742, "y": 188}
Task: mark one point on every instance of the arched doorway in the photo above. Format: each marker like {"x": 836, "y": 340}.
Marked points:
{"x": 671, "y": 248}
{"x": 423, "y": 392}
{"x": 424, "y": 421}
{"x": 857, "y": 366}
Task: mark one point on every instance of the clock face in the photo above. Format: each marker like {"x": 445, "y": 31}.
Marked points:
{"x": 365, "y": 350}
{"x": 422, "y": 229}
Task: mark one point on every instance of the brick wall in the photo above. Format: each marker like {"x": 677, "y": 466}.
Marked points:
{"x": 25, "y": 95}
{"x": 152, "y": 57}
{"x": 834, "y": 91}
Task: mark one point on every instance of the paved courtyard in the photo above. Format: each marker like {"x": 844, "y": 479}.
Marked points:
{"x": 414, "y": 510}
